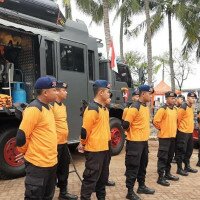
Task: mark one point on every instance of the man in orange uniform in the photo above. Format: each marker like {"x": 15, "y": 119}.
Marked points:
{"x": 165, "y": 120}
{"x": 95, "y": 137}
{"x": 184, "y": 135}
{"x": 37, "y": 140}
{"x": 60, "y": 114}
{"x": 135, "y": 97}
{"x": 198, "y": 120}
{"x": 137, "y": 125}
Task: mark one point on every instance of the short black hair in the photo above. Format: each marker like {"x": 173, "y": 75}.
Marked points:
{"x": 95, "y": 90}
{"x": 38, "y": 91}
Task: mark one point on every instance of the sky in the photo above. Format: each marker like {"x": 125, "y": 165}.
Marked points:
{"x": 159, "y": 41}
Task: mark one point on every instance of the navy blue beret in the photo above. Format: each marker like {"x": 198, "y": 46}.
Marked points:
{"x": 101, "y": 84}
{"x": 191, "y": 94}
{"x": 135, "y": 92}
{"x": 170, "y": 94}
{"x": 60, "y": 84}
{"x": 45, "y": 82}
{"x": 145, "y": 88}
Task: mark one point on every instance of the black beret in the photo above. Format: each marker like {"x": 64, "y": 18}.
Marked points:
{"x": 170, "y": 94}
{"x": 61, "y": 84}
{"x": 191, "y": 94}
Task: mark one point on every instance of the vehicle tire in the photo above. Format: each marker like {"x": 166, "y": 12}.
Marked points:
{"x": 117, "y": 136}
{"x": 9, "y": 168}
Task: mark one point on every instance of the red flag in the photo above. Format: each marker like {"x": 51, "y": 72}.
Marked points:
{"x": 113, "y": 63}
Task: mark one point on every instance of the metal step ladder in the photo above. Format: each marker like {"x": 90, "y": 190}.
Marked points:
{"x": 72, "y": 162}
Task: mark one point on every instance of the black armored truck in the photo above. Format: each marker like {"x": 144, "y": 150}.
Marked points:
{"x": 36, "y": 42}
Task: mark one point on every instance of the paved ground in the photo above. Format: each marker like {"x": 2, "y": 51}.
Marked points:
{"x": 185, "y": 189}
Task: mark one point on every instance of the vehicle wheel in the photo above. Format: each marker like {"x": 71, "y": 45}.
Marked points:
{"x": 117, "y": 136}
{"x": 9, "y": 168}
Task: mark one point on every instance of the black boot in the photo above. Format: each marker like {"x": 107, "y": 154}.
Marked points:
{"x": 131, "y": 195}
{"x": 198, "y": 164}
{"x": 162, "y": 180}
{"x": 65, "y": 195}
{"x": 143, "y": 189}
{"x": 171, "y": 177}
{"x": 190, "y": 169}
{"x": 180, "y": 170}
{"x": 110, "y": 183}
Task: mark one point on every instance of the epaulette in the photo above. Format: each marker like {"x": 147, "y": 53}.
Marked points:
{"x": 93, "y": 106}
{"x": 136, "y": 105}
{"x": 164, "y": 106}
{"x": 184, "y": 106}
{"x": 36, "y": 103}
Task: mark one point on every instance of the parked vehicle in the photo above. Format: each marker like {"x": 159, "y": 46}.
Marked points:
{"x": 30, "y": 48}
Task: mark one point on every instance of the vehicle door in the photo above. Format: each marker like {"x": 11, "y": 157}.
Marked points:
{"x": 73, "y": 70}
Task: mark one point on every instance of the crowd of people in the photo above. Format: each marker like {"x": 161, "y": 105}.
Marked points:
{"x": 43, "y": 132}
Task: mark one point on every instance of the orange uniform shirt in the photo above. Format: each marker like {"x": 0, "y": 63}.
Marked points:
{"x": 38, "y": 125}
{"x": 185, "y": 119}
{"x": 138, "y": 116}
{"x": 96, "y": 124}
{"x": 60, "y": 115}
{"x": 165, "y": 120}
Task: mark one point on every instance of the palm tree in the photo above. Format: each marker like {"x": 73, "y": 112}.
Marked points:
{"x": 68, "y": 11}
{"x": 99, "y": 11}
{"x": 149, "y": 46}
{"x": 125, "y": 11}
{"x": 169, "y": 9}
{"x": 130, "y": 8}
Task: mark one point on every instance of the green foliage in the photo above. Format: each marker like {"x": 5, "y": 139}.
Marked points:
{"x": 138, "y": 66}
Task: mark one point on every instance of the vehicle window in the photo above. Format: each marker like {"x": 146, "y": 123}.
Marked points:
{"x": 103, "y": 70}
{"x": 91, "y": 64}
{"x": 71, "y": 58}
{"x": 50, "y": 66}
{"x": 124, "y": 75}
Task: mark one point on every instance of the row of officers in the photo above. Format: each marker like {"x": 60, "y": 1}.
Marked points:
{"x": 43, "y": 132}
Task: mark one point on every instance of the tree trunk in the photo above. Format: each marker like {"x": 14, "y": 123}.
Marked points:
{"x": 121, "y": 38}
{"x": 106, "y": 24}
{"x": 68, "y": 10}
{"x": 149, "y": 47}
{"x": 170, "y": 53}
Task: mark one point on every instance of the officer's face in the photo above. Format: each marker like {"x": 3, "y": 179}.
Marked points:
{"x": 146, "y": 96}
{"x": 50, "y": 94}
{"x": 171, "y": 101}
{"x": 62, "y": 94}
{"x": 191, "y": 100}
{"x": 105, "y": 95}
{"x": 179, "y": 101}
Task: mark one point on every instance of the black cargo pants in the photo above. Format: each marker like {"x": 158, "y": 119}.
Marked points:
{"x": 63, "y": 166}
{"x": 39, "y": 182}
{"x": 184, "y": 145}
{"x": 199, "y": 143}
{"x": 95, "y": 175}
{"x": 136, "y": 161}
{"x": 165, "y": 155}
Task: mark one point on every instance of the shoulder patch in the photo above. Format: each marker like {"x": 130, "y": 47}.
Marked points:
{"x": 184, "y": 106}
{"x": 36, "y": 103}
{"x": 164, "y": 107}
{"x": 52, "y": 103}
{"x": 93, "y": 106}
{"x": 136, "y": 105}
